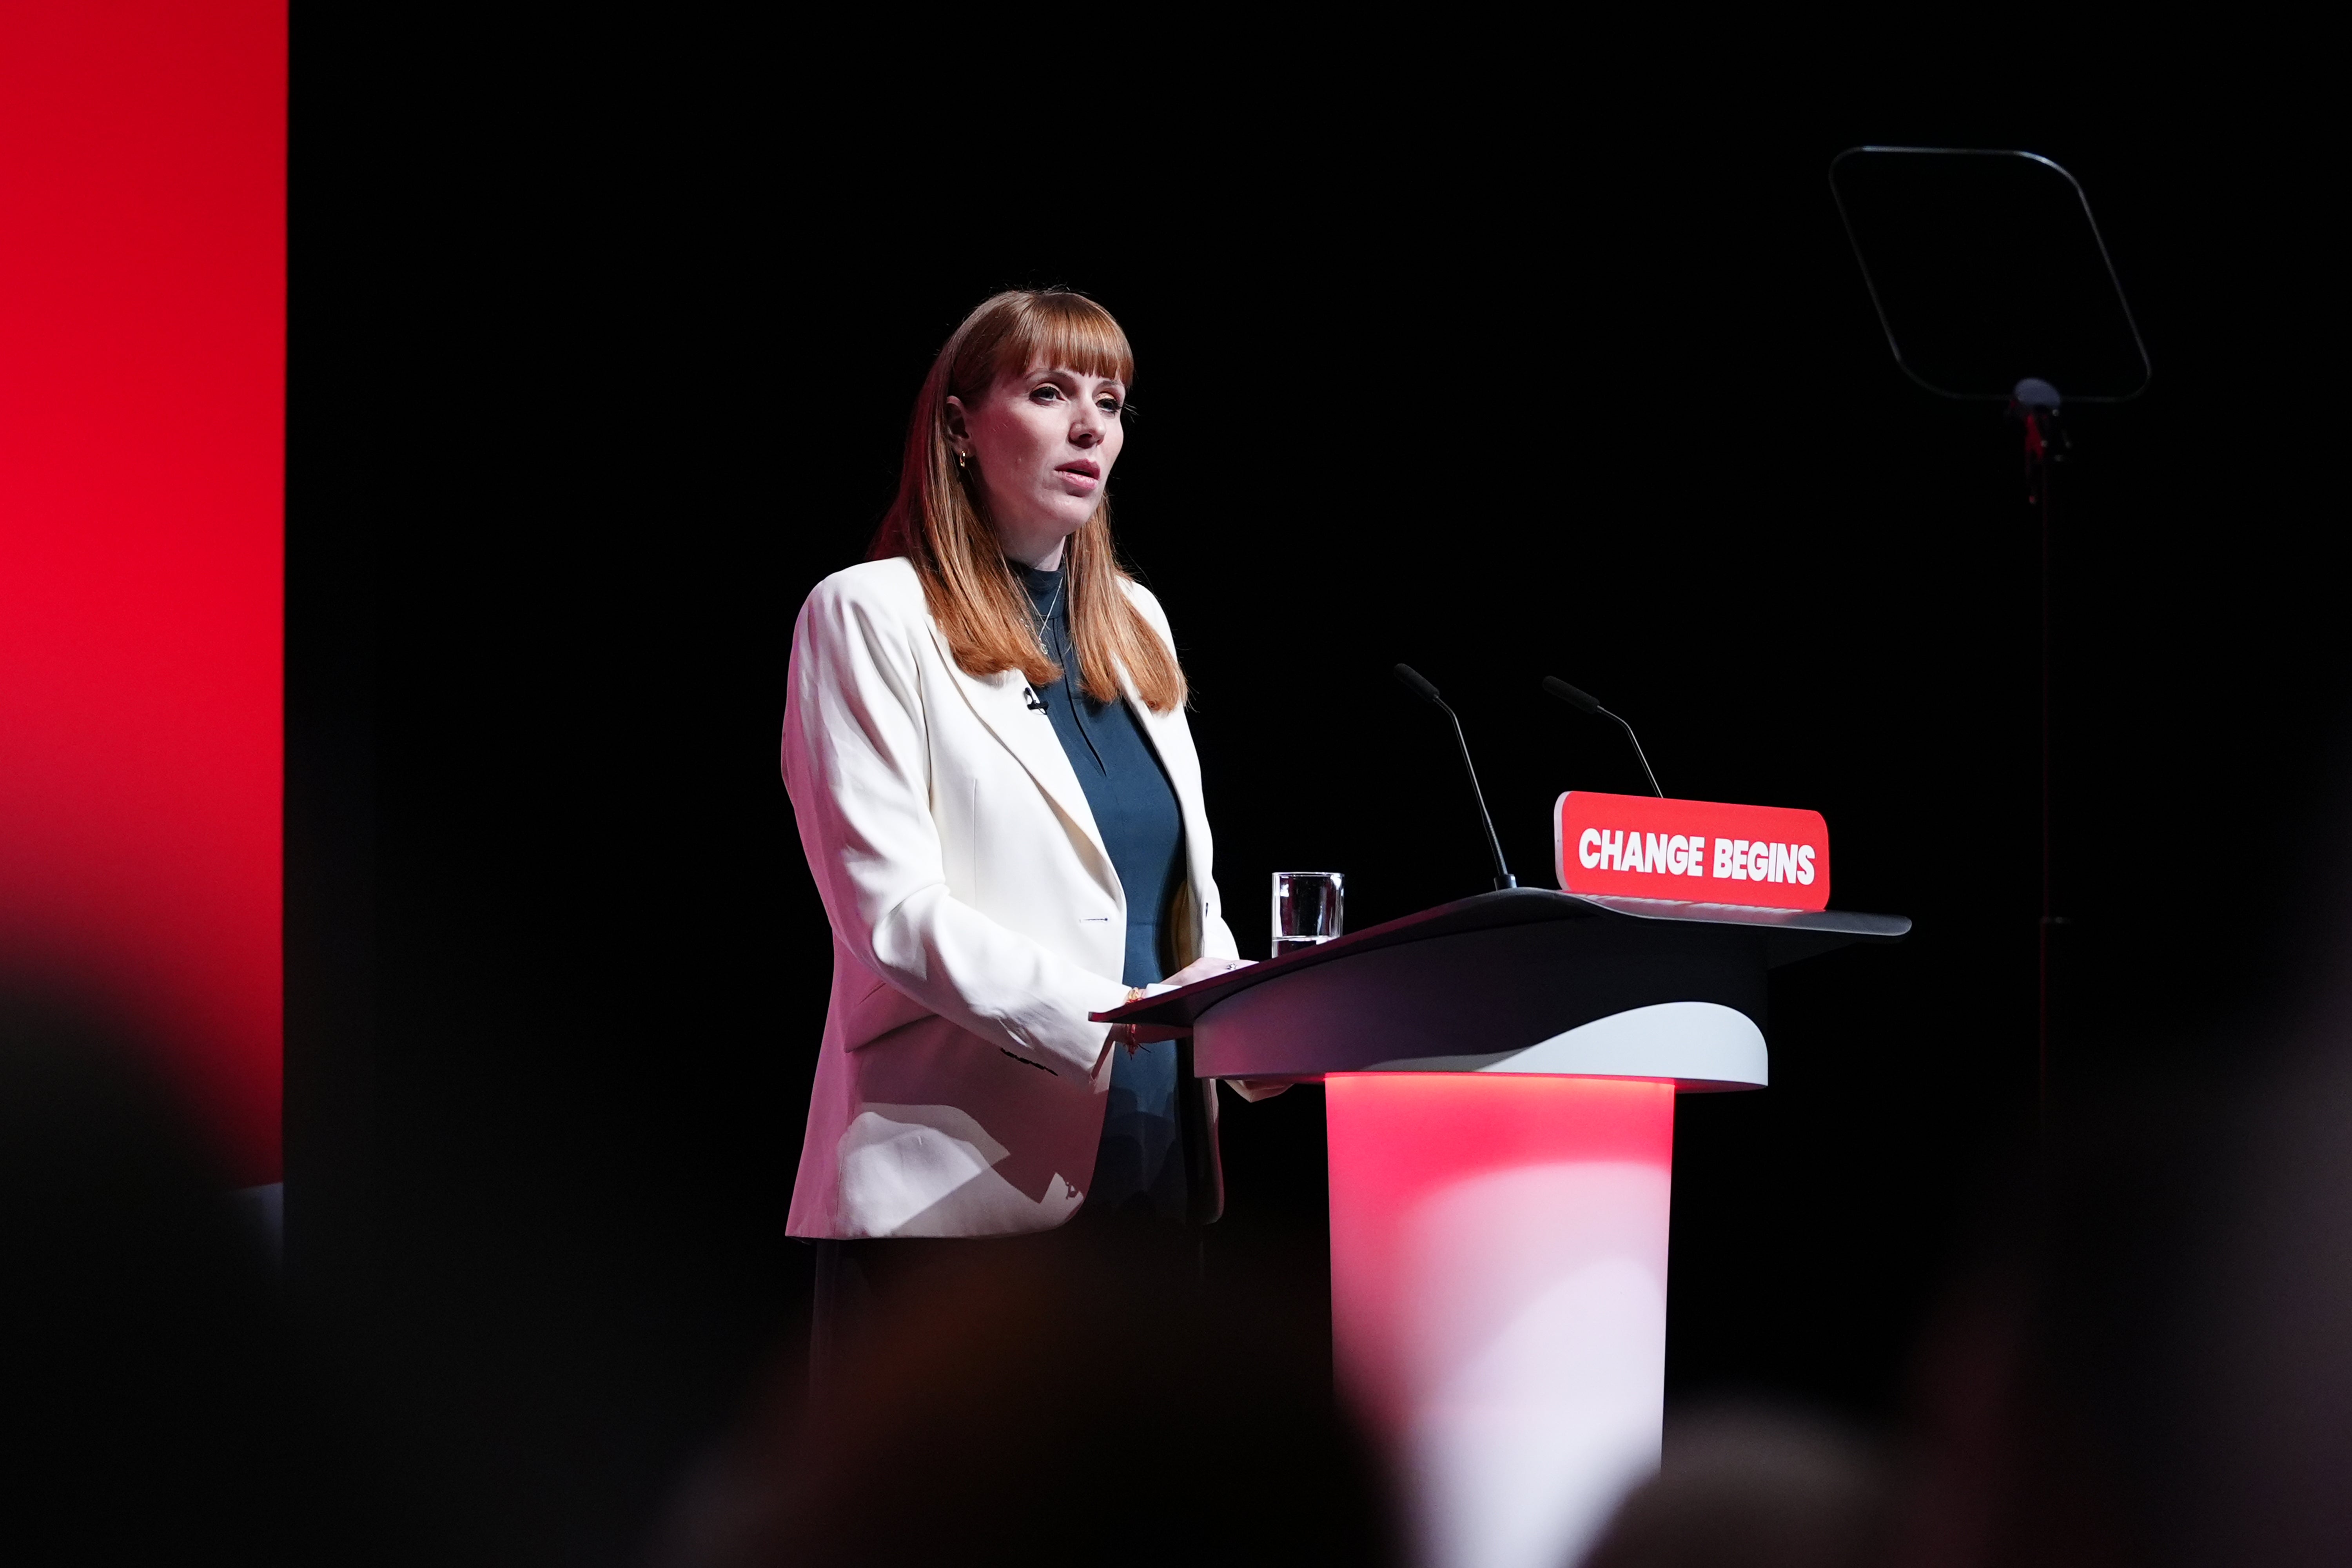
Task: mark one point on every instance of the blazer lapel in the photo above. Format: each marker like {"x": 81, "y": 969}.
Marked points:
{"x": 1172, "y": 738}
{"x": 1003, "y": 703}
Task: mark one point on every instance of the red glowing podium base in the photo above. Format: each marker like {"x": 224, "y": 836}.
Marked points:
{"x": 1500, "y": 1078}
{"x": 1499, "y": 1295}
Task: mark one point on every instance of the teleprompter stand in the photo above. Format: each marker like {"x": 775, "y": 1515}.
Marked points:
{"x": 1994, "y": 286}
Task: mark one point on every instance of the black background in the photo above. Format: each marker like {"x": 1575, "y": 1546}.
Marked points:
{"x": 601, "y": 355}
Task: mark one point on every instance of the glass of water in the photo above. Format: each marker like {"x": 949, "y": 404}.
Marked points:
{"x": 1310, "y": 907}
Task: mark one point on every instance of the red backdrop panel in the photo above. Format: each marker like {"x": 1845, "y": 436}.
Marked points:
{"x": 143, "y": 338}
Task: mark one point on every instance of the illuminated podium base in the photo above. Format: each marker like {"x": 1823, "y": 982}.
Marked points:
{"x": 1500, "y": 1078}
{"x": 1498, "y": 1296}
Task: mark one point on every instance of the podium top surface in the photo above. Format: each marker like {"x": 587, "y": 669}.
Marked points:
{"x": 1786, "y": 936}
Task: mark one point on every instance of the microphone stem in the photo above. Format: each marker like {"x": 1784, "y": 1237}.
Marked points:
{"x": 1503, "y": 877}
{"x": 1639, "y": 755}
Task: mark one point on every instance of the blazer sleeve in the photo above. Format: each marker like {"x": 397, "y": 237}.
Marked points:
{"x": 855, "y": 762}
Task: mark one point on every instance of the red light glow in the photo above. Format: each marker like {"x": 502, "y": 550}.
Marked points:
{"x": 143, "y": 338}
{"x": 1498, "y": 1270}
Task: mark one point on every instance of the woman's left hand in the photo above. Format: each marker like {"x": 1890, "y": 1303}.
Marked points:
{"x": 1200, "y": 969}
{"x": 1193, "y": 973}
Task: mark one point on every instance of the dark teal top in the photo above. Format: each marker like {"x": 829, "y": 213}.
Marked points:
{"x": 1141, "y": 1162}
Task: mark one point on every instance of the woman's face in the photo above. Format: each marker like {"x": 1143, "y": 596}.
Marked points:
{"x": 1043, "y": 443}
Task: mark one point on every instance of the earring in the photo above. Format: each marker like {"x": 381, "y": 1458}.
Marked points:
{"x": 964, "y": 460}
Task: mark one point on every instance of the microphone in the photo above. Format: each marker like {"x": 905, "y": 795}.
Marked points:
{"x": 1585, "y": 702}
{"x": 1411, "y": 679}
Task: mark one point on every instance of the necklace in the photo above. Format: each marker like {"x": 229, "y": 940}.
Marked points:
{"x": 1041, "y": 624}
{"x": 1045, "y": 623}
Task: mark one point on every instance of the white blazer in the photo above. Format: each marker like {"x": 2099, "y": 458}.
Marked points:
{"x": 976, "y": 921}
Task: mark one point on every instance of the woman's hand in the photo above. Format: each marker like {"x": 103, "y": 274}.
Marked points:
{"x": 1134, "y": 1034}
{"x": 1250, "y": 1089}
{"x": 1200, "y": 969}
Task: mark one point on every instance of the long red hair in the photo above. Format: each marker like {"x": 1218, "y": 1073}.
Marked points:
{"x": 941, "y": 524}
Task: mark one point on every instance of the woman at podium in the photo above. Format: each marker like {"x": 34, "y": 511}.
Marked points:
{"x": 985, "y": 746}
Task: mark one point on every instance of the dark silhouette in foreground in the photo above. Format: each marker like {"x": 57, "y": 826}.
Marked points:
{"x": 1070, "y": 1398}
{"x": 148, "y": 1412}
{"x": 1752, "y": 1488}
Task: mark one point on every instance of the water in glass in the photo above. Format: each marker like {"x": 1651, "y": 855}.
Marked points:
{"x": 1309, "y": 909}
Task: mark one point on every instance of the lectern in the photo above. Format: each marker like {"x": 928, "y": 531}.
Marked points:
{"x": 1500, "y": 1077}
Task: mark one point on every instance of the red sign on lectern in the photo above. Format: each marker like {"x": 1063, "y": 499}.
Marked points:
{"x": 1699, "y": 851}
